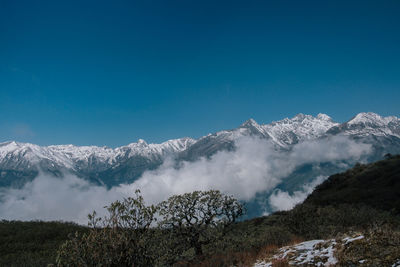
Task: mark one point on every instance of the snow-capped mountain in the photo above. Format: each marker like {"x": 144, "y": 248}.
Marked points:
{"x": 69, "y": 156}
{"x": 291, "y": 131}
{"x": 282, "y": 134}
{"x": 21, "y": 162}
{"x": 366, "y": 124}
{"x": 18, "y": 159}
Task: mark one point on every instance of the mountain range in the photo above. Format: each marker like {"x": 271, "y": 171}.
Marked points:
{"x": 22, "y": 162}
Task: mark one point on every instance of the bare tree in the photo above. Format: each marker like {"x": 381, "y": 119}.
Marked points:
{"x": 199, "y": 218}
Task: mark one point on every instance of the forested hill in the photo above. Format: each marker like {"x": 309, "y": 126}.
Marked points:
{"x": 376, "y": 185}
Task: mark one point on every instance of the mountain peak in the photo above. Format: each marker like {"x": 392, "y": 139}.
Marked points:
{"x": 249, "y": 122}
{"x": 141, "y": 142}
{"x": 367, "y": 118}
{"x": 299, "y": 116}
{"x": 9, "y": 146}
{"x": 324, "y": 117}
{"x": 8, "y": 143}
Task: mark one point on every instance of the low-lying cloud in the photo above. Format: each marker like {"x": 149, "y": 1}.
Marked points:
{"x": 53, "y": 198}
{"x": 282, "y": 200}
{"x": 254, "y": 167}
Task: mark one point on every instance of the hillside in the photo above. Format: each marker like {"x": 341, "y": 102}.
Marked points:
{"x": 352, "y": 219}
{"x": 364, "y": 200}
{"x": 376, "y": 185}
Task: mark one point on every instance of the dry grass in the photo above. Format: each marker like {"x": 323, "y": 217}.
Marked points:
{"x": 295, "y": 240}
{"x": 280, "y": 263}
{"x": 380, "y": 247}
{"x": 267, "y": 252}
{"x": 239, "y": 259}
{"x": 243, "y": 258}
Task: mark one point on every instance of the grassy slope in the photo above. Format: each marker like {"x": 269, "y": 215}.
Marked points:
{"x": 32, "y": 243}
{"x": 376, "y": 185}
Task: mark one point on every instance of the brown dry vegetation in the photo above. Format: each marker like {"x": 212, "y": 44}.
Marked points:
{"x": 379, "y": 247}
{"x": 238, "y": 258}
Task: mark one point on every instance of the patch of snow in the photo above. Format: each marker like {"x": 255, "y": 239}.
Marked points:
{"x": 263, "y": 264}
{"x": 313, "y": 252}
{"x": 396, "y": 264}
{"x": 349, "y": 240}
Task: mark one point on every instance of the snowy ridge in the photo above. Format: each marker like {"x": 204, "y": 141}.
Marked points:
{"x": 287, "y": 132}
{"x": 283, "y": 134}
{"x": 369, "y": 123}
{"x": 301, "y": 127}
{"x": 372, "y": 119}
{"x": 14, "y": 154}
{"x": 144, "y": 149}
{"x": 26, "y": 154}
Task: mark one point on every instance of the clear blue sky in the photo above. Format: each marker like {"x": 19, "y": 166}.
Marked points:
{"x": 110, "y": 72}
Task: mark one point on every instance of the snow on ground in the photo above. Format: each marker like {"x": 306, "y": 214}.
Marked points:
{"x": 349, "y": 240}
{"x": 313, "y": 252}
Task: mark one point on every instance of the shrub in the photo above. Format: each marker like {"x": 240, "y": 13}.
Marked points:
{"x": 197, "y": 219}
{"x": 119, "y": 239}
{"x": 314, "y": 222}
{"x": 379, "y": 247}
{"x": 124, "y": 237}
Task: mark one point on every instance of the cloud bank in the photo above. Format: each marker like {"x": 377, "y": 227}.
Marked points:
{"x": 52, "y": 198}
{"x": 254, "y": 167}
{"x": 282, "y": 200}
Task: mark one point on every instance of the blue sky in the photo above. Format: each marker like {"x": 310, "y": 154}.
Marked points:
{"x": 110, "y": 72}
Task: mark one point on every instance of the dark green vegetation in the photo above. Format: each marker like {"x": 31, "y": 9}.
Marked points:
{"x": 188, "y": 223}
{"x": 365, "y": 199}
{"x": 119, "y": 239}
{"x": 33, "y": 243}
{"x": 376, "y": 185}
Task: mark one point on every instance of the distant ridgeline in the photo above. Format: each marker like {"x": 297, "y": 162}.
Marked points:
{"x": 21, "y": 162}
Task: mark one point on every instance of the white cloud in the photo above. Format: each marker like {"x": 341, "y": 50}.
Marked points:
{"x": 329, "y": 149}
{"x": 252, "y": 168}
{"x": 50, "y": 198}
{"x": 282, "y": 200}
